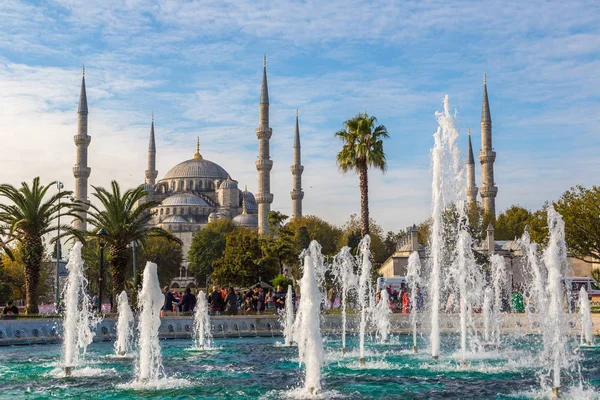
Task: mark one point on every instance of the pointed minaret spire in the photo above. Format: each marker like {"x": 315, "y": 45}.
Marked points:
{"x": 297, "y": 169}
{"x": 151, "y": 172}
{"x": 471, "y": 185}
{"x": 487, "y": 157}
{"x": 244, "y": 210}
{"x": 81, "y": 171}
{"x": 264, "y": 164}
{"x": 197, "y": 156}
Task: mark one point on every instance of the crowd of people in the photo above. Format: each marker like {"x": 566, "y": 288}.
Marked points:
{"x": 227, "y": 301}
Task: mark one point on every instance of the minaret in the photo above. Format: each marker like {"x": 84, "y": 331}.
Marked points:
{"x": 471, "y": 185}
{"x": 297, "y": 169}
{"x": 487, "y": 156}
{"x": 151, "y": 172}
{"x": 81, "y": 171}
{"x": 264, "y": 197}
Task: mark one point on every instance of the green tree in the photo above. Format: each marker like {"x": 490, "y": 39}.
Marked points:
{"x": 25, "y": 218}
{"x": 362, "y": 148}
{"x": 167, "y": 254}
{"x": 351, "y": 236}
{"x": 124, "y": 217}
{"x": 580, "y": 209}
{"x": 511, "y": 223}
{"x": 240, "y": 264}
{"x": 537, "y": 224}
{"x": 207, "y": 246}
{"x": 316, "y": 229}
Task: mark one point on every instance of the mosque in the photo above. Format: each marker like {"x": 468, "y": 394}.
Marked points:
{"x": 198, "y": 191}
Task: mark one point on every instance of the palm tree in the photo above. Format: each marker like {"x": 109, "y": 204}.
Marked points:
{"x": 362, "y": 148}
{"x": 125, "y": 219}
{"x": 26, "y": 219}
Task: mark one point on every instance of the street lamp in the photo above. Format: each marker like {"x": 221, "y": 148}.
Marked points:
{"x": 134, "y": 249}
{"x": 102, "y": 234}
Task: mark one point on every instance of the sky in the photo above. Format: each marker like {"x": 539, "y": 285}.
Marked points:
{"x": 198, "y": 66}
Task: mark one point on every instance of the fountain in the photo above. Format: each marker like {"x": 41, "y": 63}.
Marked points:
{"x": 124, "y": 342}
{"x": 587, "y": 333}
{"x": 202, "y": 335}
{"x": 555, "y": 259}
{"x": 307, "y": 331}
{"x": 487, "y": 311}
{"x": 382, "y": 314}
{"x": 150, "y": 300}
{"x": 499, "y": 283}
{"x": 413, "y": 280}
{"x": 343, "y": 273}
{"x": 288, "y": 317}
{"x": 364, "y": 292}
{"x": 78, "y": 320}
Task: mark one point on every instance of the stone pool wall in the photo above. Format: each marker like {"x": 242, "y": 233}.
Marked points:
{"x": 40, "y": 330}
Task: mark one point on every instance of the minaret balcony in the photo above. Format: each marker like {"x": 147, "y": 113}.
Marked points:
{"x": 151, "y": 174}
{"x": 82, "y": 140}
{"x": 297, "y": 169}
{"x": 264, "y": 164}
{"x": 81, "y": 172}
{"x": 262, "y": 133}
{"x": 486, "y": 157}
{"x": 297, "y": 194}
{"x": 263, "y": 198}
{"x": 488, "y": 191}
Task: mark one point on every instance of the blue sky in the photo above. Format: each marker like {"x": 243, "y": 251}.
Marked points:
{"x": 198, "y": 66}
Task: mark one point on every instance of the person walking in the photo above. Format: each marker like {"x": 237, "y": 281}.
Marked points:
{"x": 187, "y": 302}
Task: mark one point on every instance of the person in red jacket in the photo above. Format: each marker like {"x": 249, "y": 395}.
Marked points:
{"x": 405, "y": 302}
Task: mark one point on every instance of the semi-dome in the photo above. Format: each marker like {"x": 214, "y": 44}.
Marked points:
{"x": 196, "y": 168}
{"x": 174, "y": 219}
{"x": 246, "y": 220}
{"x": 184, "y": 199}
{"x": 228, "y": 184}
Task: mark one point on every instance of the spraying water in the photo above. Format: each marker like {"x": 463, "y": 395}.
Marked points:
{"x": 343, "y": 272}
{"x": 413, "y": 279}
{"x": 382, "y": 314}
{"x": 307, "y": 331}
{"x": 555, "y": 259}
{"x": 151, "y": 299}
{"x": 78, "y": 320}
{"x": 288, "y": 321}
{"x": 487, "y": 311}
{"x": 202, "y": 335}
{"x": 364, "y": 288}
{"x": 124, "y": 342}
{"x": 587, "y": 333}
{"x": 499, "y": 283}
{"x": 447, "y": 179}
{"x": 469, "y": 280}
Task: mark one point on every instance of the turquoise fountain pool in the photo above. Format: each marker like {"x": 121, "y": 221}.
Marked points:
{"x": 252, "y": 368}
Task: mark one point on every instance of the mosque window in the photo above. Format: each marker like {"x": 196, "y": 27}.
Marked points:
{"x": 191, "y": 185}
{"x": 161, "y": 211}
{"x": 181, "y": 185}
{"x": 172, "y": 185}
{"x": 167, "y": 211}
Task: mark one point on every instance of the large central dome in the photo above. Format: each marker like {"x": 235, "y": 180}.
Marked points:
{"x": 196, "y": 168}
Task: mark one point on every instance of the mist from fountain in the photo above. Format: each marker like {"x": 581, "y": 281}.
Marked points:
{"x": 202, "y": 335}
{"x": 307, "y": 330}
{"x": 555, "y": 259}
{"x": 587, "y": 332}
{"x": 288, "y": 318}
{"x": 149, "y": 364}
{"x": 343, "y": 274}
{"x": 382, "y": 315}
{"x": 124, "y": 342}
{"x": 78, "y": 317}
{"x": 499, "y": 284}
{"x": 364, "y": 292}
{"x": 413, "y": 280}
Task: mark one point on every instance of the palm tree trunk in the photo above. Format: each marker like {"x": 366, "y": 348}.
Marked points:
{"x": 32, "y": 258}
{"x": 364, "y": 200}
{"x": 118, "y": 266}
